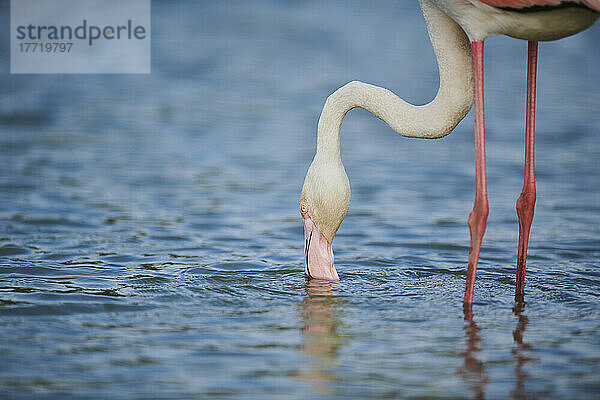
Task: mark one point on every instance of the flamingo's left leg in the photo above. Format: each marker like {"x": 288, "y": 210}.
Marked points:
{"x": 478, "y": 217}
{"x": 526, "y": 201}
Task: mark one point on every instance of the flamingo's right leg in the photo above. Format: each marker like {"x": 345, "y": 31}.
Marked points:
{"x": 526, "y": 202}
{"x": 478, "y": 217}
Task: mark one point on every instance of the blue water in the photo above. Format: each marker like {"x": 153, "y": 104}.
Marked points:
{"x": 151, "y": 247}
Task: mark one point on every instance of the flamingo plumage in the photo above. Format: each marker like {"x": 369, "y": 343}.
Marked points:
{"x": 457, "y": 29}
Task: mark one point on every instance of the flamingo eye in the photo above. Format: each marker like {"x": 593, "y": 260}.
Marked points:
{"x": 303, "y": 209}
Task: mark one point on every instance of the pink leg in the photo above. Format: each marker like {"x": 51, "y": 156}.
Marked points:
{"x": 478, "y": 217}
{"x": 526, "y": 202}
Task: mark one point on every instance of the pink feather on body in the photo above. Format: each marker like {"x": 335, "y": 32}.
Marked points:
{"x": 520, "y": 4}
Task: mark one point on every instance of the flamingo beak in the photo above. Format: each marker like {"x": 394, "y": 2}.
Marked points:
{"x": 318, "y": 254}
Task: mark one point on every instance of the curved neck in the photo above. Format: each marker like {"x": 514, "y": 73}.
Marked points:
{"x": 433, "y": 120}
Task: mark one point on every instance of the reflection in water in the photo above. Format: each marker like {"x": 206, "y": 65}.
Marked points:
{"x": 518, "y": 352}
{"x": 473, "y": 370}
{"x": 319, "y": 337}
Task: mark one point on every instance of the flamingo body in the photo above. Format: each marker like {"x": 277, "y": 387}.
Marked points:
{"x": 525, "y": 5}
{"x": 539, "y": 20}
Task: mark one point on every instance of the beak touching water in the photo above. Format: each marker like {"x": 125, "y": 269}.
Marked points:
{"x": 318, "y": 254}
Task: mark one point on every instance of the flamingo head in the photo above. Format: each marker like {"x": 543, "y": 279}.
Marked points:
{"x": 324, "y": 202}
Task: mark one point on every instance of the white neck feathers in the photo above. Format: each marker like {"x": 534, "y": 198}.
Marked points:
{"x": 433, "y": 120}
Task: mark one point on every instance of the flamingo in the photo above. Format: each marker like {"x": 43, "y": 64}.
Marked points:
{"x": 457, "y": 30}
